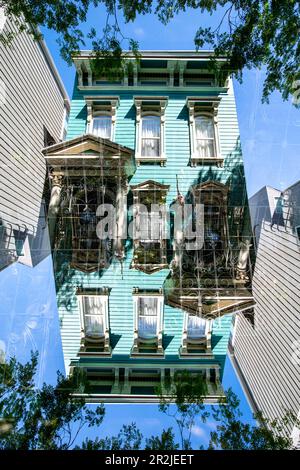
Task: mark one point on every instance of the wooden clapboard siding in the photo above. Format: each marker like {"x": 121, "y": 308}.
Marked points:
{"x": 34, "y": 97}
{"x": 121, "y": 282}
{"x": 268, "y": 354}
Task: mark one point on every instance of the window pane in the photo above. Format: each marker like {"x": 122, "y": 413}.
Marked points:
{"x": 204, "y": 128}
{"x": 102, "y": 126}
{"x": 205, "y": 148}
{"x": 150, "y": 136}
{"x": 150, "y": 126}
{"x": 94, "y": 325}
{"x": 196, "y": 327}
{"x": 148, "y": 306}
{"x": 150, "y": 148}
{"x": 147, "y": 320}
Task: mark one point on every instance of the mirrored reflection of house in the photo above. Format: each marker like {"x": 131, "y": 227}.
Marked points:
{"x": 265, "y": 347}
{"x": 150, "y": 226}
{"x": 34, "y": 107}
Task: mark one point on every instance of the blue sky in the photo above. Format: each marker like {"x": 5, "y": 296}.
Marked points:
{"x": 270, "y": 141}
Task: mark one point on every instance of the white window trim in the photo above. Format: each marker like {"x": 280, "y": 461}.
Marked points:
{"x": 210, "y": 109}
{"x": 139, "y": 103}
{"x": 104, "y": 300}
{"x": 160, "y": 319}
{"x": 91, "y": 112}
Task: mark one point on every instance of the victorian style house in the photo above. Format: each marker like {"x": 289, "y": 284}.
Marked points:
{"x": 149, "y": 298}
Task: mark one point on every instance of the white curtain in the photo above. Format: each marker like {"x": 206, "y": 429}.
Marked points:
{"x": 196, "y": 327}
{"x": 205, "y": 136}
{"x": 102, "y": 126}
{"x": 93, "y": 311}
{"x": 151, "y": 136}
{"x": 148, "y": 317}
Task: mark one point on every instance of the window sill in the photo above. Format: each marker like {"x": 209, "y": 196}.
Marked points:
{"x": 150, "y": 354}
{"x": 94, "y": 353}
{"x": 196, "y": 355}
{"x": 160, "y": 159}
{"x": 195, "y": 161}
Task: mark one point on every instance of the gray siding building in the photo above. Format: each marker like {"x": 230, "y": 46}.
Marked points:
{"x": 265, "y": 348}
{"x": 33, "y": 108}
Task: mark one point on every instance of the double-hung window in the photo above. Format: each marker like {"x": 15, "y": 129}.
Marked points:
{"x": 93, "y": 308}
{"x": 102, "y": 126}
{"x": 148, "y": 316}
{"x": 151, "y": 133}
{"x": 94, "y": 316}
{"x": 205, "y": 137}
{"x": 150, "y": 123}
{"x": 148, "y": 320}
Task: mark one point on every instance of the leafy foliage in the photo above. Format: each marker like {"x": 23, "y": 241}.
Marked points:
{"x": 251, "y": 33}
{"x": 183, "y": 399}
{"x": 233, "y": 434}
{"x": 164, "y": 442}
{"x": 129, "y": 438}
{"x": 52, "y": 417}
{"x": 47, "y": 418}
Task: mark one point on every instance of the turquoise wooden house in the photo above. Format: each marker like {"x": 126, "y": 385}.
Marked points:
{"x": 143, "y": 302}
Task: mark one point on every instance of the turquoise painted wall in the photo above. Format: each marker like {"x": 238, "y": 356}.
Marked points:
{"x": 178, "y": 153}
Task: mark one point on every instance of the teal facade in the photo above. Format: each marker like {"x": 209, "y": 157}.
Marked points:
{"x": 122, "y": 278}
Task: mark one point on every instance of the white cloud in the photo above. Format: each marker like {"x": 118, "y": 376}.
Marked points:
{"x": 139, "y": 32}
{"x": 198, "y": 431}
